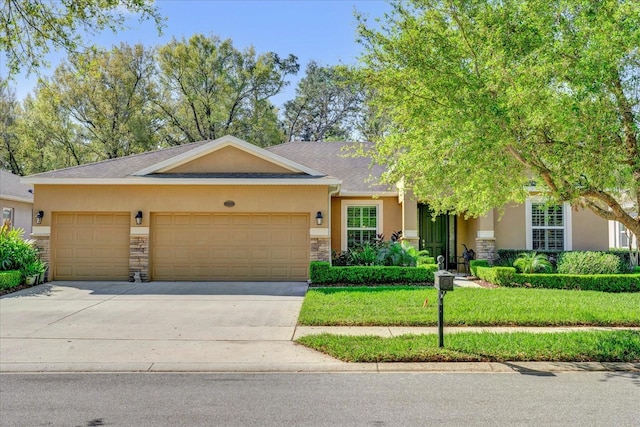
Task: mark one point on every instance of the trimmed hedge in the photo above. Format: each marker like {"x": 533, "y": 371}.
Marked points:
{"x": 322, "y": 273}
{"x": 475, "y": 263}
{"x": 10, "y": 279}
{"x": 500, "y": 276}
{"x": 590, "y": 282}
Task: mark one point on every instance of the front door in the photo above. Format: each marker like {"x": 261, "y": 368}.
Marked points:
{"x": 437, "y": 235}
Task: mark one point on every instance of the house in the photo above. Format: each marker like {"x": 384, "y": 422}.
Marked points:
{"x": 16, "y": 202}
{"x": 229, "y": 210}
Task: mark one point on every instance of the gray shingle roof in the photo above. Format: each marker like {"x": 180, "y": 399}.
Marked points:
{"x": 11, "y": 187}
{"x": 121, "y": 167}
{"x": 336, "y": 159}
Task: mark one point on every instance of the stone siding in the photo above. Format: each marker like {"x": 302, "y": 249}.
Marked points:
{"x": 139, "y": 257}
{"x": 319, "y": 249}
{"x": 43, "y": 245}
{"x": 486, "y": 249}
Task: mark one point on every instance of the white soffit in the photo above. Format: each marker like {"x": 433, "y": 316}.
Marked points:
{"x": 227, "y": 141}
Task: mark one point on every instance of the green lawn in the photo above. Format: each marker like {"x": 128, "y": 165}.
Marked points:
{"x": 403, "y": 306}
{"x": 594, "y": 346}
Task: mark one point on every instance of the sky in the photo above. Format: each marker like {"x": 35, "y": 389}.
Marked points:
{"x": 320, "y": 30}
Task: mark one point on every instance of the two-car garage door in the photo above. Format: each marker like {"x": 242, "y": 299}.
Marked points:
{"x": 217, "y": 246}
{"x": 183, "y": 246}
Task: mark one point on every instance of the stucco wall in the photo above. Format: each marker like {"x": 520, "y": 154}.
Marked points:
{"x": 510, "y": 228}
{"x": 590, "y": 232}
{"x": 179, "y": 198}
{"x": 229, "y": 159}
{"x": 22, "y": 214}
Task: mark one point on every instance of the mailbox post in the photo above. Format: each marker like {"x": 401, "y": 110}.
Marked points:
{"x": 443, "y": 282}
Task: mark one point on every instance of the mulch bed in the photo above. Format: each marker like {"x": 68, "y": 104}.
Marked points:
{"x": 15, "y": 289}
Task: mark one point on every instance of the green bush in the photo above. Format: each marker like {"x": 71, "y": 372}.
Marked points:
{"x": 475, "y": 263}
{"x": 532, "y": 262}
{"x": 500, "y": 276}
{"x": 594, "y": 282}
{"x": 635, "y": 270}
{"x": 322, "y": 273}
{"x": 10, "y": 279}
{"x": 506, "y": 257}
{"x": 15, "y": 252}
{"x": 588, "y": 263}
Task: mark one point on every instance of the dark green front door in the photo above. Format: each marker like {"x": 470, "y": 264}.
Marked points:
{"x": 437, "y": 235}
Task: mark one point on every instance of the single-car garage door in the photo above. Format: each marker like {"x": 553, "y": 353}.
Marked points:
{"x": 216, "y": 246}
{"x": 90, "y": 245}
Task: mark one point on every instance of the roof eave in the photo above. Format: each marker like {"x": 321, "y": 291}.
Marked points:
{"x": 182, "y": 181}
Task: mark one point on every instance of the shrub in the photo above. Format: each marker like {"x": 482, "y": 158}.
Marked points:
{"x": 322, "y": 273}
{"x": 497, "y": 275}
{"x": 15, "y": 252}
{"x": 594, "y": 282}
{"x": 636, "y": 270}
{"x": 506, "y": 257}
{"x": 475, "y": 263}
{"x": 532, "y": 262}
{"x": 10, "y": 279}
{"x": 588, "y": 263}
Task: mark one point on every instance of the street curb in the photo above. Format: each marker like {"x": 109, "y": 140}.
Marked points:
{"x": 524, "y": 368}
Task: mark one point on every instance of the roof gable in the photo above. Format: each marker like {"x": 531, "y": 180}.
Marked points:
{"x": 12, "y": 189}
{"x": 227, "y": 155}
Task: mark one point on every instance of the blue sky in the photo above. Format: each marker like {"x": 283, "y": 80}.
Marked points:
{"x": 320, "y": 30}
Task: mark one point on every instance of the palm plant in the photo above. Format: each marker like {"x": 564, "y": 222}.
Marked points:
{"x": 532, "y": 262}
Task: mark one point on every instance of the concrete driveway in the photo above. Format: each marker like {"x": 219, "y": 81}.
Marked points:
{"x": 157, "y": 326}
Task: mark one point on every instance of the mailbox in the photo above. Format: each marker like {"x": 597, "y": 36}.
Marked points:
{"x": 443, "y": 280}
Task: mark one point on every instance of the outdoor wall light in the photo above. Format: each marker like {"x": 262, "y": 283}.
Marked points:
{"x": 139, "y": 218}
{"x": 319, "y": 218}
{"x": 39, "y": 216}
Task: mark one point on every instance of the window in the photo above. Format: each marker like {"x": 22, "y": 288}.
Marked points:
{"x": 548, "y": 226}
{"x": 361, "y": 222}
{"x": 7, "y": 217}
{"x": 624, "y": 238}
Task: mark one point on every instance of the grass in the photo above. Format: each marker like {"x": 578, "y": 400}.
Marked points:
{"x": 403, "y": 306}
{"x": 594, "y": 346}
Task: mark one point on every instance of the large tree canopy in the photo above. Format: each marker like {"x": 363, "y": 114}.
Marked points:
{"x": 488, "y": 96}
{"x": 30, "y": 28}
{"x": 211, "y": 89}
{"x": 326, "y": 105}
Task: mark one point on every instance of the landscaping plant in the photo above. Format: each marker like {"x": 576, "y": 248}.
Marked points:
{"x": 532, "y": 262}
{"x": 588, "y": 263}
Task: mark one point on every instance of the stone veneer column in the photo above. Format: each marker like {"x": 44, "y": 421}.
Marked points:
{"x": 42, "y": 243}
{"x": 138, "y": 255}
{"x": 486, "y": 248}
{"x": 319, "y": 244}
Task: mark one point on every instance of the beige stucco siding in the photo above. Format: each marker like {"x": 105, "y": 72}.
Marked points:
{"x": 590, "y": 232}
{"x": 229, "y": 160}
{"x": 510, "y": 228}
{"x": 22, "y": 214}
{"x": 179, "y": 198}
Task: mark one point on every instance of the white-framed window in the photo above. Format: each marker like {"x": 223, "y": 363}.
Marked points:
{"x": 622, "y": 233}
{"x": 548, "y": 226}
{"x": 361, "y": 222}
{"x": 7, "y": 217}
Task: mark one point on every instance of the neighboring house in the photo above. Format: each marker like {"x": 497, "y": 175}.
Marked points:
{"x": 229, "y": 210}
{"x": 16, "y": 202}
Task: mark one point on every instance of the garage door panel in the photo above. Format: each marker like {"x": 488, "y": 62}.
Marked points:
{"x": 217, "y": 246}
{"x": 90, "y": 246}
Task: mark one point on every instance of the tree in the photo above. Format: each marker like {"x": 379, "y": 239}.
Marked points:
{"x": 211, "y": 89}
{"x": 9, "y": 112}
{"x": 30, "y": 28}
{"x": 97, "y": 105}
{"x": 326, "y": 105}
{"x": 487, "y": 96}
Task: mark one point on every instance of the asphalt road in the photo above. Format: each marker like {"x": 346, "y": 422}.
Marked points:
{"x": 497, "y": 399}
